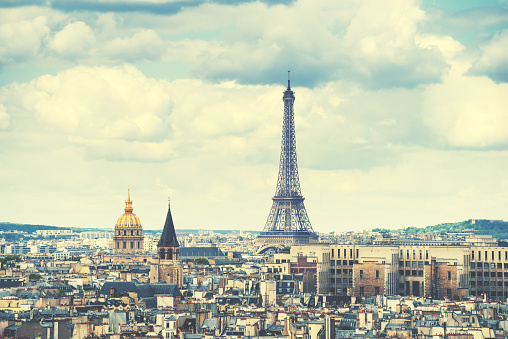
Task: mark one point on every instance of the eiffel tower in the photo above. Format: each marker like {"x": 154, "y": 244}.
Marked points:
{"x": 288, "y": 223}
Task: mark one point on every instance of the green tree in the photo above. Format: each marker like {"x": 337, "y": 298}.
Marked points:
{"x": 286, "y": 249}
{"x": 34, "y": 277}
{"x": 202, "y": 261}
{"x": 9, "y": 258}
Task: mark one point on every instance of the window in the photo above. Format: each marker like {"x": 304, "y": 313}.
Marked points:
{"x": 449, "y": 275}
{"x": 376, "y": 290}
{"x": 408, "y": 263}
{"x": 479, "y": 255}
{"x": 414, "y": 263}
{"x": 350, "y": 253}
{"x": 472, "y": 255}
{"x": 420, "y": 273}
{"x": 332, "y": 252}
{"x": 357, "y": 253}
{"x": 332, "y": 262}
{"x": 499, "y": 255}
{"x": 499, "y": 265}
{"x": 472, "y": 265}
{"x": 492, "y": 255}
{"x": 407, "y": 254}
{"x": 485, "y": 265}
{"x": 339, "y": 262}
{"x": 420, "y": 263}
{"x": 124, "y": 244}
{"x": 414, "y": 254}
{"x": 345, "y": 254}
{"x": 361, "y": 274}
{"x": 361, "y": 291}
{"x": 473, "y": 274}
{"x": 426, "y": 254}
{"x": 377, "y": 274}
{"x": 420, "y": 254}
{"x": 338, "y": 253}
{"x": 492, "y": 265}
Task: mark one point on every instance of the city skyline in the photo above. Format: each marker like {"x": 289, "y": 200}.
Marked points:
{"x": 400, "y": 111}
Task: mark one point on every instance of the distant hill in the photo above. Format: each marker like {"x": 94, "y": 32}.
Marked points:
{"x": 28, "y": 228}
{"x": 497, "y": 228}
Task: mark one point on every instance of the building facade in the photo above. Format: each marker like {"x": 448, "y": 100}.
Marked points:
{"x": 424, "y": 270}
{"x": 167, "y": 267}
{"x": 128, "y": 237}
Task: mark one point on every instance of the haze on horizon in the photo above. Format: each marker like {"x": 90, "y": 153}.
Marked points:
{"x": 400, "y": 111}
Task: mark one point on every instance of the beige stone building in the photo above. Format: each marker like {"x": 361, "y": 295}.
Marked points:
{"x": 167, "y": 266}
{"x": 422, "y": 269}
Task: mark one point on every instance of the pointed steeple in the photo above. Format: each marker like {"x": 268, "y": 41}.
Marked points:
{"x": 168, "y": 237}
{"x": 128, "y": 202}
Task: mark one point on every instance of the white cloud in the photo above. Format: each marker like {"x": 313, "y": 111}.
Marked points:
{"x": 466, "y": 111}
{"x": 5, "y": 119}
{"x": 493, "y": 59}
{"x": 143, "y": 45}
{"x": 98, "y": 103}
{"x": 22, "y": 40}
{"x": 74, "y": 40}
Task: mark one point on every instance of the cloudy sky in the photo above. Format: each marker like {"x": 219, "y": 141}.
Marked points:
{"x": 401, "y": 110}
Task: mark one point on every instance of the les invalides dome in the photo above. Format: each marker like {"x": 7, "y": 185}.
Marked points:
{"x": 128, "y": 236}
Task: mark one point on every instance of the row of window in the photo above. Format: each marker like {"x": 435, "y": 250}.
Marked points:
{"x": 489, "y": 265}
{"x": 345, "y": 253}
{"x": 340, "y": 281}
{"x": 118, "y": 232}
{"x": 412, "y": 263}
{"x": 490, "y": 294}
{"x": 342, "y": 262}
{"x": 420, "y": 254}
{"x": 339, "y": 271}
{"x": 489, "y": 283}
{"x": 492, "y": 274}
{"x": 492, "y": 255}
{"x": 125, "y": 244}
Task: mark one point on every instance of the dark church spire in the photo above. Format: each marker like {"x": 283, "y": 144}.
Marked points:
{"x": 168, "y": 237}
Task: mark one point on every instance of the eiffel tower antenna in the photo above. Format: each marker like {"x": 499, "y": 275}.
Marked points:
{"x": 288, "y": 223}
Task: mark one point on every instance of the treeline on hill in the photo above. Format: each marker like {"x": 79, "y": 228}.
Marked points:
{"x": 497, "y": 228}
{"x": 28, "y": 228}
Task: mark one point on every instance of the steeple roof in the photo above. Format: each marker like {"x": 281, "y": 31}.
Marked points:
{"x": 168, "y": 237}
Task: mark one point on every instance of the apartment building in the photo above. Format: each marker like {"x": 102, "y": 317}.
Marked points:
{"x": 408, "y": 268}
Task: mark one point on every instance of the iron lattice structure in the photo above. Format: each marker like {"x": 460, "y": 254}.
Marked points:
{"x": 288, "y": 223}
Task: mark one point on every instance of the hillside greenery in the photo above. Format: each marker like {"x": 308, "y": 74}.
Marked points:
{"x": 497, "y": 228}
{"x": 27, "y": 228}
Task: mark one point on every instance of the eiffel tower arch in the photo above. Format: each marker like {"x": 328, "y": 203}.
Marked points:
{"x": 288, "y": 222}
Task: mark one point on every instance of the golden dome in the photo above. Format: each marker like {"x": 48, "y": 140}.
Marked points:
{"x": 128, "y": 219}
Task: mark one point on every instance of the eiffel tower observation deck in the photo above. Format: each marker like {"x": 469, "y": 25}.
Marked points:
{"x": 288, "y": 223}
